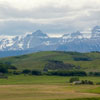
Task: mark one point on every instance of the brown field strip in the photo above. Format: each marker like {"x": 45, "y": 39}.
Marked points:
{"x": 41, "y": 92}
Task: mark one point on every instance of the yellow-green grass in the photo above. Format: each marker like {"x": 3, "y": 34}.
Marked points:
{"x": 39, "y": 59}
{"x": 94, "y": 90}
{"x": 46, "y": 88}
{"x": 29, "y": 79}
{"x": 42, "y": 92}
{"x": 90, "y": 66}
{"x": 81, "y": 99}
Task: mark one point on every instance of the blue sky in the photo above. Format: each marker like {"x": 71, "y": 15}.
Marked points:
{"x": 51, "y": 16}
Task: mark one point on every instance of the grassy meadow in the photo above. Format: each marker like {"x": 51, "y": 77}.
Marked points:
{"x": 39, "y": 59}
{"x": 22, "y": 87}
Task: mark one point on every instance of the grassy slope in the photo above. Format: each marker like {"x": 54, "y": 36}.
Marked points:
{"x": 38, "y": 60}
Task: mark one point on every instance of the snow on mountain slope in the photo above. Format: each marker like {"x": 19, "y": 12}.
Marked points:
{"x": 23, "y": 42}
{"x": 41, "y": 41}
{"x": 66, "y": 38}
{"x": 96, "y": 32}
{"x": 77, "y": 42}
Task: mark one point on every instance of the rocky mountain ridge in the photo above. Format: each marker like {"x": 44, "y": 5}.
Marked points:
{"x": 39, "y": 41}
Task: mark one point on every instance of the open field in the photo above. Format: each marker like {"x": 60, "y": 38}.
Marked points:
{"x": 46, "y": 88}
{"x": 81, "y": 99}
{"x": 21, "y": 79}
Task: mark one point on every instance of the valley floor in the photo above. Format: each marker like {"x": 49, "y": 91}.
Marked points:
{"x": 46, "y": 88}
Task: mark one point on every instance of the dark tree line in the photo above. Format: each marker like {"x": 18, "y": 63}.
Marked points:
{"x": 31, "y": 72}
{"x": 94, "y": 73}
{"x": 67, "y": 73}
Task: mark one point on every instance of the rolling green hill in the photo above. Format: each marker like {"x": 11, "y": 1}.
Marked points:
{"x": 87, "y": 61}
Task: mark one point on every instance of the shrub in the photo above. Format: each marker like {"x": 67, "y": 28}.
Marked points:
{"x": 82, "y": 58}
{"x": 16, "y": 73}
{"x": 3, "y": 70}
{"x": 87, "y": 82}
{"x": 98, "y": 83}
{"x": 73, "y": 79}
{"x": 36, "y": 72}
{"x": 91, "y": 74}
{"x": 94, "y": 73}
{"x": 26, "y": 71}
{"x": 13, "y": 68}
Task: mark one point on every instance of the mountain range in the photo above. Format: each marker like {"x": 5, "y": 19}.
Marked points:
{"x": 39, "y": 41}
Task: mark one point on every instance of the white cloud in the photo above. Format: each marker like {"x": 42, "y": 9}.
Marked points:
{"x": 28, "y": 4}
{"x": 54, "y": 15}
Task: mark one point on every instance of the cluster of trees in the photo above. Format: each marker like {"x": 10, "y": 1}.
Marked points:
{"x": 67, "y": 73}
{"x": 58, "y": 73}
{"x": 59, "y": 65}
{"x": 87, "y": 82}
{"x": 82, "y": 58}
{"x": 26, "y": 72}
{"x": 5, "y": 67}
{"x": 73, "y": 79}
{"x": 76, "y": 81}
{"x": 51, "y": 73}
{"x": 94, "y": 73}
{"x": 33, "y": 72}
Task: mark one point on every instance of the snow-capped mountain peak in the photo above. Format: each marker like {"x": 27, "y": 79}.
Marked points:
{"x": 96, "y": 32}
{"x": 40, "y": 41}
{"x": 73, "y": 35}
